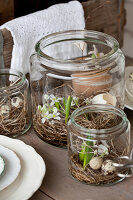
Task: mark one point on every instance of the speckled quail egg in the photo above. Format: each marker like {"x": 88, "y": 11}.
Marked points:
{"x": 108, "y": 167}
{"x": 96, "y": 162}
{"x": 4, "y": 110}
{"x": 16, "y": 101}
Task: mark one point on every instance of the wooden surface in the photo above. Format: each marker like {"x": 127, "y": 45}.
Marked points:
{"x": 6, "y": 10}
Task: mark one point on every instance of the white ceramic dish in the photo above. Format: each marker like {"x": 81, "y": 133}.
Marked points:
{"x": 12, "y": 167}
{"x": 32, "y": 171}
{"x": 128, "y": 104}
{"x": 129, "y": 83}
{"x": 2, "y": 165}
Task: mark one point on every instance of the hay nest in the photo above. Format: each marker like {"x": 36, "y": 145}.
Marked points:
{"x": 13, "y": 122}
{"x": 91, "y": 176}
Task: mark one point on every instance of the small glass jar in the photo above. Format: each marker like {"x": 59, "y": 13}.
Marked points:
{"x": 71, "y": 69}
{"x": 15, "y": 112}
{"x": 98, "y": 137}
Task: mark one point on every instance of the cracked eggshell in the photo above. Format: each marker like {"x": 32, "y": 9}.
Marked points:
{"x": 108, "y": 167}
{"x": 4, "y": 110}
{"x": 105, "y": 98}
{"x": 16, "y": 101}
{"x": 96, "y": 163}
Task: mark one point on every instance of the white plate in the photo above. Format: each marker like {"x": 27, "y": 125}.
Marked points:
{"x": 128, "y": 104}
{"x": 12, "y": 167}
{"x": 2, "y": 165}
{"x": 32, "y": 171}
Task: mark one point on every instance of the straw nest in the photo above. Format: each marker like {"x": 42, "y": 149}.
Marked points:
{"x": 13, "y": 118}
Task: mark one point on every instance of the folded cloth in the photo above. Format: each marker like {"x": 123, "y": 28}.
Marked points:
{"x": 27, "y": 30}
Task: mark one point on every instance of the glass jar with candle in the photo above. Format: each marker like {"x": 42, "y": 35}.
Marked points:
{"x": 98, "y": 138}
{"x": 15, "y": 112}
{"x": 72, "y": 69}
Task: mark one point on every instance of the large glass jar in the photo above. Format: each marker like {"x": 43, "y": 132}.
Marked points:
{"x": 98, "y": 142}
{"x": 71, "y": 69}
{"x": 15, "y": 111}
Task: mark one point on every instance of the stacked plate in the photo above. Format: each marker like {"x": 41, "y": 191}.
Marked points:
{"x": 129, "y": 87}
{"x": 22, "y": 169}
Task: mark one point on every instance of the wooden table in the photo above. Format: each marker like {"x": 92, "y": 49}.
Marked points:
{"x": 58, "y": 183}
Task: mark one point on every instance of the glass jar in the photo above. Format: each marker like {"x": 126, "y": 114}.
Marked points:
{"x": 71, "y": 69}
{"x": 98, "y": 138}
{"x": 15, "y": 112}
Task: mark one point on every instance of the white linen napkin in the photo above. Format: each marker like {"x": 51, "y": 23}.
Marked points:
{"x": 27, "y": 30}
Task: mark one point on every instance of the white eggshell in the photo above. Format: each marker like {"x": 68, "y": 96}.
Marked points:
{"x": 16, "y": 101}
{"x": 4, "y": 110}
{"x": 104, "y": 98}
{"x": 98, "y": 99}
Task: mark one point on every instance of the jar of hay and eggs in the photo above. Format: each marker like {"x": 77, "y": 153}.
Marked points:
{"x": 69, "y": 70}
{"x": 15, "y": 112}
{"x": 98, "y": 143}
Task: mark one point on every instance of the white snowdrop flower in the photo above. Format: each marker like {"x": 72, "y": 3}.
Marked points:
{"x": 96, "y": 53}
{"x": 44, "y": 109}
{"x": 55, "y": 114}
{"x": 55, "y": 110}
{"x": 45, "y": 116}
{"x": 43, "y": 120}
{"x": 74, "y": 101}
{"x": 105, "y": 143}
{"x": 102, "y": 150}
{"x": 54, "y": 99}
{"x": 46, "y": 97}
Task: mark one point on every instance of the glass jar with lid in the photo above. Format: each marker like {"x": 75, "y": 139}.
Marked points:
{"x": 98, "y": 142}
{"x": 15, "y": 111}
{"x": 72, "y": 69}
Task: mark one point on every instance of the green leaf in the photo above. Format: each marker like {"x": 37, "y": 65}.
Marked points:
{"x": 82, "y": 152}
{"x": 87, "y": 156}
{"x": 86, "y": 153}
{"x": 57, "y": 105}
{"x": 67, "y": 108}
{"x": 93, "y": 56}
{"x": 64, "y": 102}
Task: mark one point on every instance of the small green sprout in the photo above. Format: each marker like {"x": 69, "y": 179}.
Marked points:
{"x": 86, "y": 152}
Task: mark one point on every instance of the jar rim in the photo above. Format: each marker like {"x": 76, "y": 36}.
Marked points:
{"x": 111, "y": 55}
{"x": 15, "y": 73}
{"x": 99, "y": 132}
